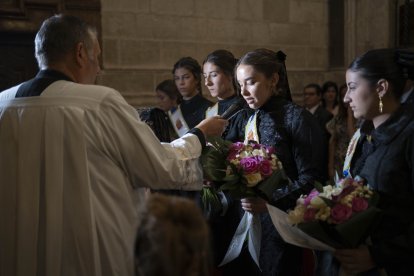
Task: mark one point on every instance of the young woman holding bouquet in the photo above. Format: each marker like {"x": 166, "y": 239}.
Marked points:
{"x": 299, "y": 144}
{"x": 382, "y": 153}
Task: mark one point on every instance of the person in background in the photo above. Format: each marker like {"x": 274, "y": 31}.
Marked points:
{"x": 312, "y": 94}
{"x": 299, "y": 144}
{"x": 159, "y": 118}
{"x": 172, "y": 239}
{"x": 168, "y": 95}
{"x": 383, "y": 157}
{"x": 342, "y": 128}
{"x": 218, "y": 72}
{"x": 73, "y": 156}
{"x": 187, "y": 77}
{"x": 330, "y": 96}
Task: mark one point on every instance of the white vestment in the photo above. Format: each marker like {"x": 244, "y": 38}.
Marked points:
{"x": 71, "y": 163}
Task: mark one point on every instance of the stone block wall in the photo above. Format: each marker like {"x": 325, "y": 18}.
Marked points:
{"x": 142, "y": 39}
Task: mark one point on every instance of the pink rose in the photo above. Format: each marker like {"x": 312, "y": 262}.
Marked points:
{"x": 311, "y": 195}
{"x": 340, "y": 213}
{"x": 236, "y": 146}
{"x": 234, "y": 149}
{"x": 250, "y": 165}
{"x": 266, "y": 168}
{"x": 309, "y": 214}
{"x": 359, "y": 204}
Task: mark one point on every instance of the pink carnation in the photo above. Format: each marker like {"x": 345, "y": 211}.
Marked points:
{"x": 250, "y": 165}
{"x": 311, "y": 195}
{"x": 309, "y": 214}
{"x": 266, "y": 168}
{"x": 359, "y": 204}
{"x": 341, "y": 213}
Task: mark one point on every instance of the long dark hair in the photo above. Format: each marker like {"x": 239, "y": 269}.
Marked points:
{"x": 325, "y": 88}
{"x": 394, "y": 65}
{"x": 191, "y": 65}
{"x": 269, "y": 62}
{"x": 226, "y": 61}
{"x": 170, "y": 89}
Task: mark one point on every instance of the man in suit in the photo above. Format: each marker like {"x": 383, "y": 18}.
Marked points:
{"x": 312, "y": 94}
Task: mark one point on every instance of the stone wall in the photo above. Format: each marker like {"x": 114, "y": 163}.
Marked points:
{"x": 142, "y": 39}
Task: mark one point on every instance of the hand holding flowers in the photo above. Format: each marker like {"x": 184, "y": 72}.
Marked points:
{"x": 340, "y": 215}
{"x": 250, "y": 172}
{"x": 244, "y": 170}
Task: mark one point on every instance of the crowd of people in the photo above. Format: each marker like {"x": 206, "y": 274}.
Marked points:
{"x": 90, "y": 187}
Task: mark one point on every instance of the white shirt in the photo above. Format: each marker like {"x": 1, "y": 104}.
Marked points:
{"x": 71, "y": 161}
{"x": 313, "y": 109}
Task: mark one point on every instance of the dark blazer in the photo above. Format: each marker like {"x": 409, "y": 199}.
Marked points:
{"x": 389, "y": 170}
{"x": 323, "y": 116}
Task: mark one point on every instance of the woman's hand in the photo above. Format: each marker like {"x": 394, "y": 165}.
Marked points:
{"x": 355, "y": 260}
{"x": 254, "y": 205}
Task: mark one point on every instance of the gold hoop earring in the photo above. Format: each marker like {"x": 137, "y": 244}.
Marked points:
{"x": 381, "y": 105}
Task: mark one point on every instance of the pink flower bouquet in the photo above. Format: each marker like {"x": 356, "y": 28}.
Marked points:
{"x": 244, "y": 170}
{"x": 340, "y": 216}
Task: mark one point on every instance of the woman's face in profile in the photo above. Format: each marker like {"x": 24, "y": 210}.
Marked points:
{"x": 361, "y": 97}
{"x": 255, "y": 87}
{"x": 185, "y": 82}
{"x": 164, "y": 101}
{"x": 218, "y": 83}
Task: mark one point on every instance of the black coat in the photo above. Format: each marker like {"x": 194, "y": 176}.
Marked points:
{"x": 389, "y": 170}
{"x": 299, "y": 145}
{"x": 194, "y": 109}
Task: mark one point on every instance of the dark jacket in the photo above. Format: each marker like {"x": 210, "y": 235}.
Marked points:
{"x": 389, "y": 170}
{"x": 299, "y": 143}
{"x": 160, "y": 124}
{"x": 323, "y": 116}
{"x": 194, "y": 109}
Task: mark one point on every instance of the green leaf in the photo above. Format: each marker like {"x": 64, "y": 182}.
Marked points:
{"x": 230, "y": 186}
{"x": 214, "y": 164}
{"x": 318, "y": 186}
{"x": 232, "y": 177}
{"x": 355, "y": 230}
{"x": 277, "y": 180}
{"x": 327, "y": 201}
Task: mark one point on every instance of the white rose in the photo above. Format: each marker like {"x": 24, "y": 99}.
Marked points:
{"x": 317, "y": 202}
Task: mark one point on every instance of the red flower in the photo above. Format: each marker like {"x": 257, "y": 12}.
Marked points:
{"x": 340, "y": 213}
{"x": 309, "y": 214}
{"x": 359, "y": 204}
{"x": 266, "y": 168}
